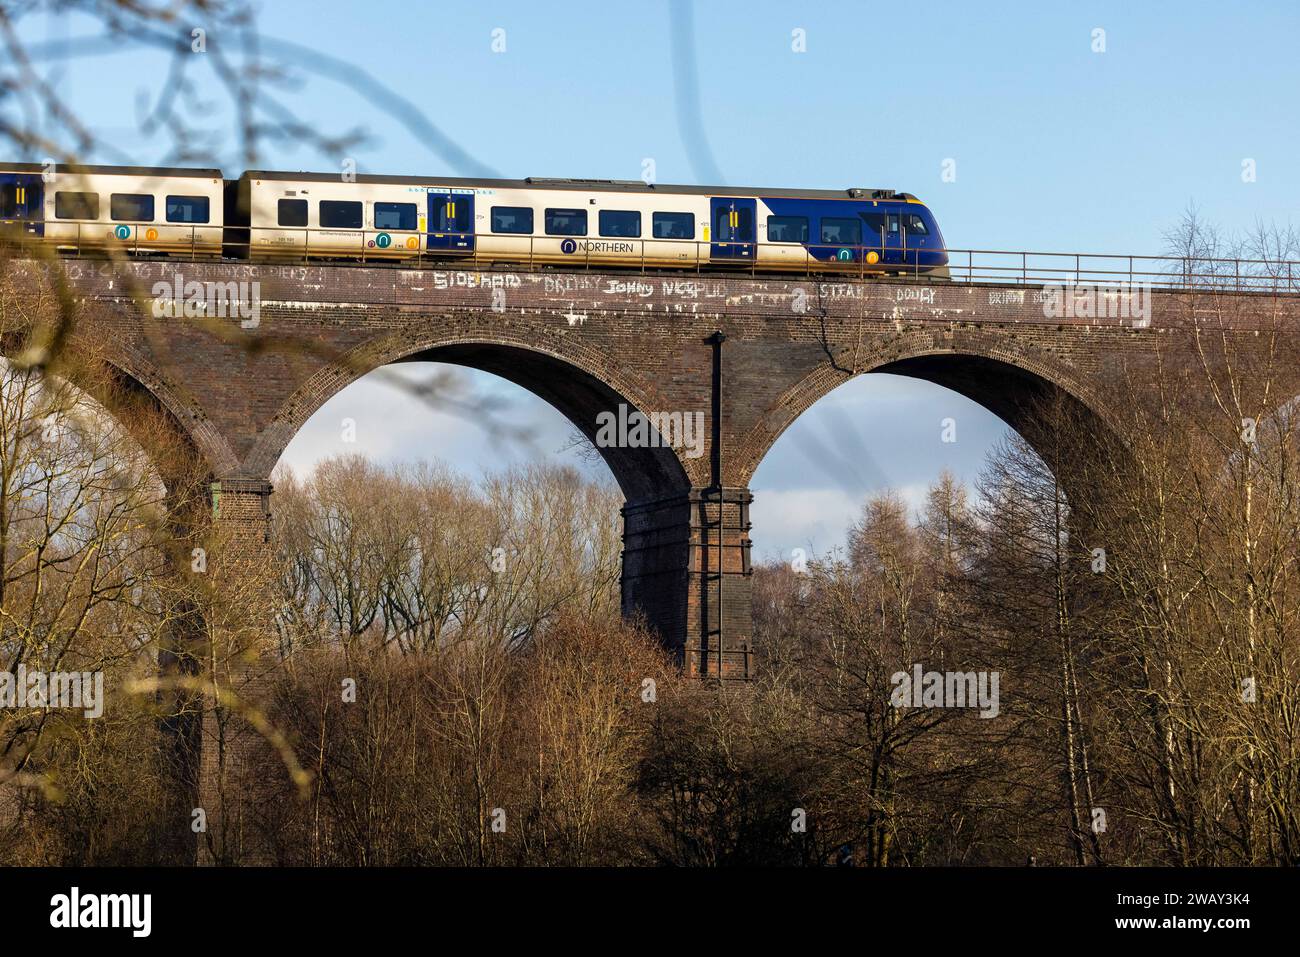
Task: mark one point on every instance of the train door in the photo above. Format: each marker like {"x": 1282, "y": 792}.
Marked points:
{"x": 733, "y": 228}
{"x": 22, "y": 198}
{"x": 451, "y": 221}
{"x": 893, "y": 239}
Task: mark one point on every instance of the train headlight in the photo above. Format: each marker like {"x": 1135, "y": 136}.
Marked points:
{"x": 873, "y": 258}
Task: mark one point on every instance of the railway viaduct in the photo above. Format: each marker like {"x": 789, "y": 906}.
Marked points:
{"x": 748, "y": 353}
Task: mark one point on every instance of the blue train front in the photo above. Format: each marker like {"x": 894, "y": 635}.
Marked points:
{"x": 881, "y": 230}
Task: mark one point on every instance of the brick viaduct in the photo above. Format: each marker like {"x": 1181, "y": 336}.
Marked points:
{"x": 587, "y": 342}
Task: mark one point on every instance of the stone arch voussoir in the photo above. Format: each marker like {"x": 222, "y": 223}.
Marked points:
{"x": 893, "y": 356}
{"x": 469, "y": 344}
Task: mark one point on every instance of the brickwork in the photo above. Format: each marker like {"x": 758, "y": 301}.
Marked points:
{"x": 671, "y": 557}
{"x": 587, "y": 342}
{"x": 237, "y": 652}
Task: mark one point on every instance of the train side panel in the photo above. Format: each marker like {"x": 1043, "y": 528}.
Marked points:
{"x": 607, "y": 227}
{"x": 297, "y": 218}
{"x": 135, "y": 213}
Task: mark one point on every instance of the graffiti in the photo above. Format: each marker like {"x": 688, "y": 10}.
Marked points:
{"x": 913, "y": 294}
{"x": 476, "y": 280}
{"x": 629, "y": 288}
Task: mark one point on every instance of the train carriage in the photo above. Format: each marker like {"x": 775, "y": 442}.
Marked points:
{"x": 137, "y": 209}
{"x": 304, "y": 214}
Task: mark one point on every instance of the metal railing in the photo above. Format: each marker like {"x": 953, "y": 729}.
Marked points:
{"x": 877, "y": 262}
{"x": 1162, "y": 272}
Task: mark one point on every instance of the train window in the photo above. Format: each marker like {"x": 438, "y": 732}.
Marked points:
{"x": 453, "y": 215}
{"x": 891, "y": 222}
{"x": 131, "y": 207}
{"x": 743, "y": 231}
{"x": 340, "y": 214}
{"x": 512, "y": 219}
{"x": 915, "y": 224}
{"x": 620, "y": 223}
{"x": 787, "y": 229}
{"x": 566, "y": 222}
{"x": 673, "y": 225}
{"x": 292, "y": 212}
{"x": 875, "y": 226}
{"x": 395, "y": 216}
{"x": 9, "y": 201}
{"x": 76, "y": 205}
{"x": 841, "y": 232}
{"x": 187, "y": 209}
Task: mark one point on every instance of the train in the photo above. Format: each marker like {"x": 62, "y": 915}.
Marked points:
{"x": 273, "y": 216}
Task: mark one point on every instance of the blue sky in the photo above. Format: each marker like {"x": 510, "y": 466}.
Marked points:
{"x": 1056, "y": 147}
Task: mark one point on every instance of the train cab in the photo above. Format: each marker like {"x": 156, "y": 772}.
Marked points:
{"x": 879, "y": 231}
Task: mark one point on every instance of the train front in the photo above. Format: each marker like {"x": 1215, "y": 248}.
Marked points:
{"x": 925, "y": 249}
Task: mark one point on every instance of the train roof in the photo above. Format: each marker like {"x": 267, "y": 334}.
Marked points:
{"x": 76, "y": 168}
{"x": 532, "y": 182}
{"x": 585, "y": 185}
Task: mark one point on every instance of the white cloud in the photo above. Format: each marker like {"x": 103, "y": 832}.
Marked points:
{"x": 814, "y": 519}
{"x": 395, "y": 423}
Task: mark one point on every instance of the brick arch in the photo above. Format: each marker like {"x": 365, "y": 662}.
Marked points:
{"x": 575, "y": 379}
{"x": 136, "y": 378}
{"x": 118, "y": 382}
{"x": 1000, "y": 379}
